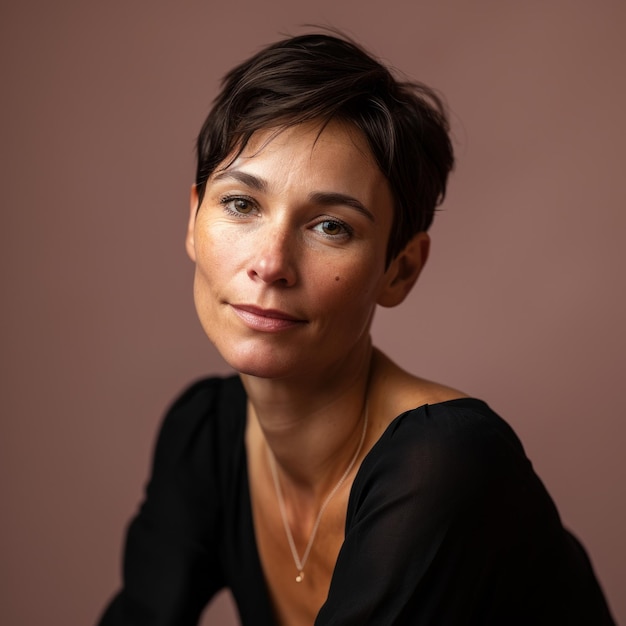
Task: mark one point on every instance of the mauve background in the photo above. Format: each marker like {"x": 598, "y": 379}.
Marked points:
{"x": 522, "y": 302}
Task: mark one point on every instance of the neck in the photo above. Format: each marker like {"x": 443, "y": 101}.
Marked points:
{"x": 312, "y": 426}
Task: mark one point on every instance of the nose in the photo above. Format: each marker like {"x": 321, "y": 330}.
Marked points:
{"x": 274, "y": 259}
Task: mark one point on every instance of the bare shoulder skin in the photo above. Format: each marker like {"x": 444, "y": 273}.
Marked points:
{"x": 394, "y": 391}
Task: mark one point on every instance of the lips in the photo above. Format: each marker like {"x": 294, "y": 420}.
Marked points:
{"x": 266, "y": 320}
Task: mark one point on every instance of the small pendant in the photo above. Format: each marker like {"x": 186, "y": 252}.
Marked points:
{"x": 300, "y": 577}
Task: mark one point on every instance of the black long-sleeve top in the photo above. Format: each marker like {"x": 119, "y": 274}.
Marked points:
{"x": 447, "y": 525}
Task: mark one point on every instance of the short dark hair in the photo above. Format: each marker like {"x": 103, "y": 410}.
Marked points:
{"x": 325, "y": 77}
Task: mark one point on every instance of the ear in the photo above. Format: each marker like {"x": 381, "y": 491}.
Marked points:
{"x": 404, "y": 270}
{"x": 190, "y": 243}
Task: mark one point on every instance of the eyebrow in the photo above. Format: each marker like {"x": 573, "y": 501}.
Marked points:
{"x": 249, "y": 180}
{"x": 331, "y": 198}
{"x": 322, "y": 198}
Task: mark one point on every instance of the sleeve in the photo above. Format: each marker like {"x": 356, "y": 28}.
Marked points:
{"x": 171, "y": 566}
{"x": 448, "y": 525}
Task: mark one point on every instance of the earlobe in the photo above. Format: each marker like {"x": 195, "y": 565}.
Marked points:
{"x": 190, "y": 244}
{"x": 404, "y": 270}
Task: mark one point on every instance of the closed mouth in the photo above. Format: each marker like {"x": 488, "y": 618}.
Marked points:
{"x": 269, "y": 313}
{"x": 266, "y": 320}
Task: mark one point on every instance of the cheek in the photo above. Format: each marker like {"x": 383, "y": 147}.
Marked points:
{"x": 216, "y": 251}
{"x": 213, "y": 258}
{"x": 352, "y": 289}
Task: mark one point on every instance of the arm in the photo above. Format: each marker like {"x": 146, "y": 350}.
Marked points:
{"x": 171, "y": 566}
{"x": 449, "y": 525}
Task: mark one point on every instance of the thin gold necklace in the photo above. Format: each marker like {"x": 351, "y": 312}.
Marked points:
{"x": 300, "y": 563}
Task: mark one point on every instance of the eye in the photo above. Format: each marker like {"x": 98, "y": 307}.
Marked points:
{"x": 238, "y": 205}
{"x": 333, "y": 228}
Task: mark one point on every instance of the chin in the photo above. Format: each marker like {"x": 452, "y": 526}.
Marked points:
{"x": 258, "y": 362}
{"x": 267, "y": 371}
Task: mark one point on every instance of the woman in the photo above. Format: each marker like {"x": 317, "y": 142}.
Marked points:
{"x": 324, "y": 484}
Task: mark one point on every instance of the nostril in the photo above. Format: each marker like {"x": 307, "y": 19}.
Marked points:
{"x": 273, "y": 260}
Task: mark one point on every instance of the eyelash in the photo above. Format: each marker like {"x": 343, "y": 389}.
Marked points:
{"x": 347, "y": 230}
{"x": 225, "y": 201}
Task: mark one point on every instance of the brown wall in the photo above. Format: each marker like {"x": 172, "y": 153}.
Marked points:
{"x": 523, "y": 302}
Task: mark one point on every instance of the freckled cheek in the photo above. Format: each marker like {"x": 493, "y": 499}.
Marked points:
{"x": 217, "y": 251}
{"x": 212, "y": 274}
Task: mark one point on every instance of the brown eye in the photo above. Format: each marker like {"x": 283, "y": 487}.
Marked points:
{"x": 238, "y": 205}
{"x": 332, "y": 228}
{"x": 241, "y": 205}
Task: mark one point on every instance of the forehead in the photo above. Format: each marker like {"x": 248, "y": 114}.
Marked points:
{"x": 312, "y": 156}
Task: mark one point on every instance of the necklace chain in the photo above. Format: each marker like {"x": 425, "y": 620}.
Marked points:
{"x": 300, "y": 563}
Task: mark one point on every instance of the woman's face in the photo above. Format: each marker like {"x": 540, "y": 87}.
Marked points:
{"x": 289, "y": 244}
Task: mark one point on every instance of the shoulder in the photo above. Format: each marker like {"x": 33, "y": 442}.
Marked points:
{"x": 446, "y": 452}
{"x": 425, "y": 432}
{"x": 201, "y": 434}
{"x": 207, "y": 411}
{"x": 455, "y": 464}
{"x": 463, "y": 422}
{"x": 460, "y": 423}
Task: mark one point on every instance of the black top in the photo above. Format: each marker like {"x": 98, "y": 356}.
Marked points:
{"x": 447, "y": 525}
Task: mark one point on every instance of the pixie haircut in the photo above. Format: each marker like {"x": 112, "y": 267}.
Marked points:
{"x": 325, "y": 77}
